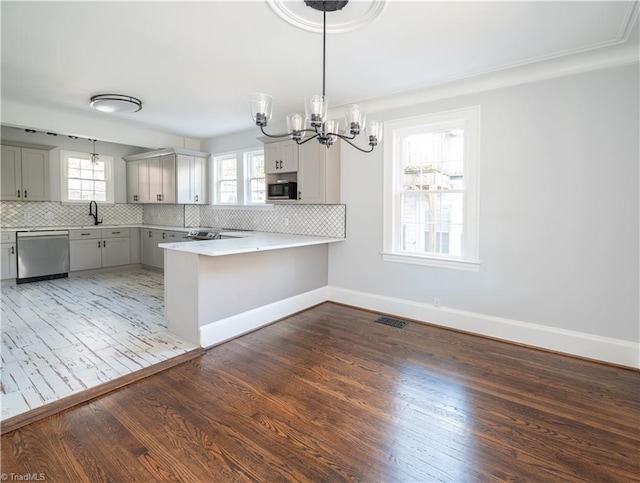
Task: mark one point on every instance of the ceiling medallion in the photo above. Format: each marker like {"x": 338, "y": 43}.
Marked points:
{"x": 358, "y": 13}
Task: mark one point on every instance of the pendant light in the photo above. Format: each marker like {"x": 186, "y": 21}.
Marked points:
{"x": 95, "y": 157}
{"x": 314, "y": 123}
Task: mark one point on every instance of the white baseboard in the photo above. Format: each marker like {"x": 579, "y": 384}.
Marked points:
{"x": 605, "y": 349}
{"x": 237, "y": 325}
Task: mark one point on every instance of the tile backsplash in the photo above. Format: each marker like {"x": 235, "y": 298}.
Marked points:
{"x": 15, "y": 214}
{"x": 319, "y": 220}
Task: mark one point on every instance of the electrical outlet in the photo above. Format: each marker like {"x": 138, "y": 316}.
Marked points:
{"x": 286, "y": 222}
{"x": 437, "y": 303}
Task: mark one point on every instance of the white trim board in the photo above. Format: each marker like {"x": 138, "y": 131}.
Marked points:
{"x": 223, "y": 330}
{"x": 605, "y": 349}
{"x": 598, "y": 348}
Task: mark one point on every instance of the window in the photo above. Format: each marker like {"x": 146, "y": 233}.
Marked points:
{"x": 226, "y": 179}
{"x": 239, "y": 178}
{"x": 255, "y": 177}
{"x": 431, "y": 189}
{"x": 84, "y": 181}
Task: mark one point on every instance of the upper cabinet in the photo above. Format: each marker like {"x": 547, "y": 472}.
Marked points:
{"x": 192, "y": 179}
{"x": 24, "y": 174}
{"x": 167, "y": 176}
{"x": 314, "y": 168}
{"x": 281, "y": 157}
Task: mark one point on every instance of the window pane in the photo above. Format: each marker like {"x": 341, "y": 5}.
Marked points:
{"x": 74, "y": 184}
{"x": 74, "y": 195}
{"x": 257, "y": 190}
{"x": 85, "y": 164}
{"x": 86, "y": 174}
{"x": 228, "y": 192}
{"x": 74, "y": 163}
{"x": 100, "y": 196}
{"x": 74, "y": 173}
{"x": 87, "y": 185}
{"x": 432, "y": 222}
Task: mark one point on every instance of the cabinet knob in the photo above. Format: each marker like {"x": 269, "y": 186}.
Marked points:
{"x": 18, "y": 193}
{"x": 13, "y": 250}
{"x": 25, "y": 193}
{"x": 299, "y": 195}
{"x": 104, "y": 243}
{"x": 196, "y": 197}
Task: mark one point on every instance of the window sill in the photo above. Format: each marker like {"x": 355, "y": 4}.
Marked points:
{"x": 427, "y": 261}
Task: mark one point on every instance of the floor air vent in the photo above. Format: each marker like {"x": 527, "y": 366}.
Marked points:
{"x": 392, "y": 322}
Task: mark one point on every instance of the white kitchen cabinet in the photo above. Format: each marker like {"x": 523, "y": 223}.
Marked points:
{"x": 138, "y": 182}
{"x": 97, "y": 248}
{"x": 281, "y": 157}
{"x": 8, "y": 257}
{"x": 147, "y": 246}
{"x": 317, "y": 172}
{"x": 24, "y": 174}
{"x": 152, "y": 255}
{"x": 168, "y": 175}
{"x": 162, "y": 179}
{"x": 191, "y": 179}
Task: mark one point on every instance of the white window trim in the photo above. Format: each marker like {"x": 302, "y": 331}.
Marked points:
{"x": 241, "y": 180}
{"x": 247, "y": 178}
{"x": 215, "y": 199}
{"x": 64, "y": 181}
{"x": 391, "y": 205}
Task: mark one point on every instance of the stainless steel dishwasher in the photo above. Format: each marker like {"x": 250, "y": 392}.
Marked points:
{"x": 42, "y": 255}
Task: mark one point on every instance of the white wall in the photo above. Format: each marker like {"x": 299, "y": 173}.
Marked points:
{"x": 559, "y": 215}
{"x": 19, "y": 137}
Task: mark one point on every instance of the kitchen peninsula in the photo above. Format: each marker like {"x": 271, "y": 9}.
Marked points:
{"x": 216, "y": 290}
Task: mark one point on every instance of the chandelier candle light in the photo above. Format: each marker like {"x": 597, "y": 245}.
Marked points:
{"x": 320, "y": 128}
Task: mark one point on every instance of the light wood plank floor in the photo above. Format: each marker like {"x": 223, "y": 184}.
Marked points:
{"x": 63, "y": 336}
{"x": 329, "y": 395}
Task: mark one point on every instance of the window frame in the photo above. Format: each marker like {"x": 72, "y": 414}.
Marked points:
{"x": 467, "y": 118}
{"x": 218, "y": 180}
{"x": 243, "y": 179}
{"x": 248, "y": 178}
{"x": 65, "y": 155}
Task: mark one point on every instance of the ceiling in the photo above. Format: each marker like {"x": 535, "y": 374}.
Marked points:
{"x": 194, "y": 64}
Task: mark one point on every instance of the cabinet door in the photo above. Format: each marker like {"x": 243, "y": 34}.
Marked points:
{"x": 289, "y": 157}
{"x": 184, "y": 174}
{"x": 311, "y": 176}
{"x": 281, "y": 157}
{"x": 159, "y": 236}
{"x": 8, "y": 261}
{"x": 116, "y": 251}
{"x": 85, "y": 254}
{"x": 154, "y": 166}
{"x": 11, "y": 173}
{"x": 199, "y": 180}
{"x": 35, "y": 174}
{"x": 168, "y": 166}
{"x": 147, "y": 247}
{"x": 133, "y": 182}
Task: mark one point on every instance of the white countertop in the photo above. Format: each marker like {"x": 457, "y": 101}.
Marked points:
{"x": 247, "y": 242}
{"x": 92, "y": 226}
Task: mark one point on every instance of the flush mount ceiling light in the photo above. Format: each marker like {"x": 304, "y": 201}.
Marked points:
{"x": 324, "y": 130}
{"x": 115, "y": 103}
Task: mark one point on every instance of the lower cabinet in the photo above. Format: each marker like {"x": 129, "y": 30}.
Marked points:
{"x": 152, "y": 255}
{"x": 8, "y": 257}
{"x": 97, "y": 248}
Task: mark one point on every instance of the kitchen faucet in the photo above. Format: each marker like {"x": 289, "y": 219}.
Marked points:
{"x": 91, "y": 213}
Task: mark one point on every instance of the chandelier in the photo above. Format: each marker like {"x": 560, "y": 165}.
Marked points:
{"x": 314, "y": 124}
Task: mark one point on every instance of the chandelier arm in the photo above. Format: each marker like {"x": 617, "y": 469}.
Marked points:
{"x": 353, "y": 145}
{"x": 282, "y": 135}
{"x": 308, "y": 139}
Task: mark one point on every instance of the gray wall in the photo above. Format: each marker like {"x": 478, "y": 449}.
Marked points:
{"x": 559, "y": 213}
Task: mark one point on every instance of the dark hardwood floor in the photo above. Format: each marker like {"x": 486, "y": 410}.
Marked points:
{"x": 329, "y": 395}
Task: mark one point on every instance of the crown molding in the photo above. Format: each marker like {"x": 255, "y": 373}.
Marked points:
{"x": 623, "y": 53}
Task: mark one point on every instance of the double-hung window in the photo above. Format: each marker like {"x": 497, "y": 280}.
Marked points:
{"x": 431, "y": 189}
{"x": 239, "y": 178}
{"x": 84, "y": 180}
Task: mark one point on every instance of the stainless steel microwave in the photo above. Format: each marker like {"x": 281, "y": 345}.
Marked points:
{"x": 282, "y": 190}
